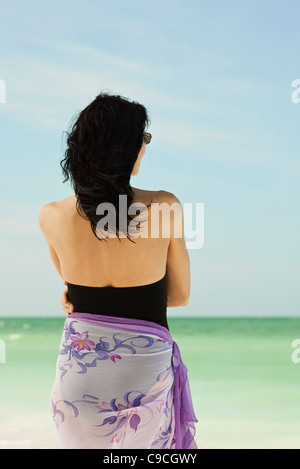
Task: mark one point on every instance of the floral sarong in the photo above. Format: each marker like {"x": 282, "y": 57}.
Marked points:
{"x": 121, "y": 383}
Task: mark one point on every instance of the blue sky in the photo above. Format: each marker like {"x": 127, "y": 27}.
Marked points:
{"x": 216, "y": 80}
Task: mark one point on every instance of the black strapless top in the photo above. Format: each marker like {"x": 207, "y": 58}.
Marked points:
{"x": 147, "y": 302}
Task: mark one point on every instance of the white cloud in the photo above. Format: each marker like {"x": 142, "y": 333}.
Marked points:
{"x": 19, "y": 219}
{"x": 47, "y": 94}
{"x": 92, "y": 54}
{"x": 17, "y": 226}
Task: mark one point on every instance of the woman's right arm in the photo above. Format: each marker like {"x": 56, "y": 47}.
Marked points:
{"x": 68, "y": 307}
{"x": 178, "y": 261}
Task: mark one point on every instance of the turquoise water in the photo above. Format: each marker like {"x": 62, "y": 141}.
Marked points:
{"x": 244, "y": 384}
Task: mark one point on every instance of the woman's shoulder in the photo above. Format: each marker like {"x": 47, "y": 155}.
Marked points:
{"x": 53, "y": 209}
{"x": 159, "y": 196}
{"x": 49, "y": 212}
{"x": 52, "y": 206}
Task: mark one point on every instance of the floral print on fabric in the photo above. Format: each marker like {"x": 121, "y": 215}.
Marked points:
{"x": 117, "y": 386}
{"x": 123, "y": 419}
{"x": 76, "y": 342}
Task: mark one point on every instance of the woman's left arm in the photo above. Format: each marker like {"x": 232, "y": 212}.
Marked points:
{"x": 45, "y": 216}
{"x": 44, "y": 220}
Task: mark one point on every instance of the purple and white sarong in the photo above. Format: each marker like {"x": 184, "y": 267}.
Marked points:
{"x": 121, "y": 383}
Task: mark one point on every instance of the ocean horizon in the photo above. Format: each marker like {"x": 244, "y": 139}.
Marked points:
{"x": 244, "y": 382}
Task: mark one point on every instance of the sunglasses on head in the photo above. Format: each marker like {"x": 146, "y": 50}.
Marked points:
{"x": 147, "y": 138}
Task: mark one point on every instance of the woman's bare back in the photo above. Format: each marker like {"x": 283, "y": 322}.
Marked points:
{"x": 80, "y": 258}
{"x": 84, "y": 260}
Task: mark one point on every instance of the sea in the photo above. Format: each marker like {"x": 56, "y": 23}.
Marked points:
{"x": 244, "y": 376}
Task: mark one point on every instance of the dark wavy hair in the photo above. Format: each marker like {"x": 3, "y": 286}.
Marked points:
{"x": 102, "y": 147}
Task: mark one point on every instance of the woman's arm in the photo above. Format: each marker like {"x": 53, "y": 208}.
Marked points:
{"x": 178, "y": 261}
{"x": 45, "y": 219}
{"x": 68, "y": 307}
{"x": 45, "y": 222}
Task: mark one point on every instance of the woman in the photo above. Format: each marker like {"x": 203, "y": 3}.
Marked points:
{"x": 120, "y": 381}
